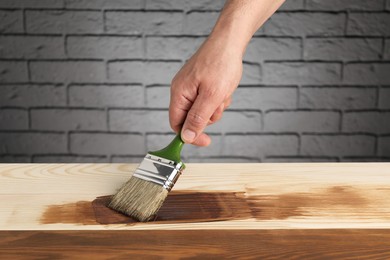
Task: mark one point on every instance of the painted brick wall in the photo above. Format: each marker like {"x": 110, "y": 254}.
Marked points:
{"x": 88, "y": 81}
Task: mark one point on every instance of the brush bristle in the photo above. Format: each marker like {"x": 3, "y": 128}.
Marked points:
{"x": 139, "y": 199}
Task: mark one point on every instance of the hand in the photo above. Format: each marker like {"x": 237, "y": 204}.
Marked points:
{"x": 202, "y": 89}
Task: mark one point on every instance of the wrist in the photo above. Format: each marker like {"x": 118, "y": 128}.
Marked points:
{"x": 226, "y": 35}
{"x": 230, "y": 32}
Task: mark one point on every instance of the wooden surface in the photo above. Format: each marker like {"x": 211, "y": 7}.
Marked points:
{"x": 307, "y": 210}
{"x": 197, "y": 244}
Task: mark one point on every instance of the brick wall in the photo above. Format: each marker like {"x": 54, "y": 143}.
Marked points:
{"x": 88, "y": 81}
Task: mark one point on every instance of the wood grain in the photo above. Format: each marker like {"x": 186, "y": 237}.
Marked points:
{"x": 197, "y": 244}
{"x": 247, "y": 196}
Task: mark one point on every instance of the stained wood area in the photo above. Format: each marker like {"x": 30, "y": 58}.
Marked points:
{"x": 215, "y": 210}
{"x": 197, "y": 244}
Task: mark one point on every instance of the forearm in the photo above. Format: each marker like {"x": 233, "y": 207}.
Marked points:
{"x": 240, "y": 19}
{"x": 203, "y": 87}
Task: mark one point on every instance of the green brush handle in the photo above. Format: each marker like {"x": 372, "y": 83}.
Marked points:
{"x": 172, "y": 151}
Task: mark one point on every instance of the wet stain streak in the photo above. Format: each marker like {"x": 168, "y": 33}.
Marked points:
{"x": 192, "y": 206}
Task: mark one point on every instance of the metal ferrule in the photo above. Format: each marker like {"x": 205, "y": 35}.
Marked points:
{"x": 159, "y": 170}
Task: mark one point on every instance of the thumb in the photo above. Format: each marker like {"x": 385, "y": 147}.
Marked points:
{"x": 199, "y": 115}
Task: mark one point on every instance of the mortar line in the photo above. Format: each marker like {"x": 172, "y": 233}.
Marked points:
{"x": 65, "y": 41}
{"x": 383, "y": 51}
{"x": 106, "y": 70}
{"x": 346, "y": 22}
{"x": 29, "y": 123}
{"x": 107, "y": 110}
{"x": 341, "y": 119}
{"x": 24, "y": 21}
{"x": 376, "y": 146}
{"x": 299, "y": 150}
{"x": 378, "y": 91}
{"x": 67, "y": 99}
{"x": 68, "y": 146}
{"x": 28, "y": 67}
{"x": 104, "y": 18}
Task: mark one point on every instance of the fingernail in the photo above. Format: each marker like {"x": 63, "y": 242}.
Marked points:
{"x": 188, "y": 135}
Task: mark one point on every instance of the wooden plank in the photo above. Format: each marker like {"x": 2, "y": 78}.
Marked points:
{"x": 197, "y": 244}
{"x": 207, "y": 196}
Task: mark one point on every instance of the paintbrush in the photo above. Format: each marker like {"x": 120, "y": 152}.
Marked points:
{"x": 145, "y": 192}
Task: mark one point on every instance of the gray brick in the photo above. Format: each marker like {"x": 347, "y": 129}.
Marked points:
{"x": 155, "y": 23}
{"x": 251, "y": 74}
{"x": 11, "y": 21}
{"x": 158, "y": 121}
{"x": 104, "y": 4}
{"x": 292, "y": 5}
{"x": 335, "y": 5}
{"x": 374, "y": 24}
{"x": 31, "y": 47}
{"x": 30, "y": 143}
{"x": 261, "y": 98}
{"x": 364, "y": 159}
{"x": 158, "y": 96}
{"x": 127, "y": 159}
{"x": 337, "y": 145}
{"x": 367, "y": 73}
{"x": 302, "y": 23}
{"x": 237, "y": 122}
{"x": 13, "y": 119}
{"x": 64, "y": 21}
{"x": 302, "y": 121}
{"x": 273, "y": 83}
{"x": 384, "y": 146}
{"x": 384, "y": 98}
{"x": 105, "y": 47}
{"x": 369, "y": 122}
{"x": 106, "y": 96}
{"x": 184, "y": 4}
{"x": 157, "y": 72}
{"x": 301, "y": 159}
{"x": 258, "y": 146}
{"x": 32, "y": 95}
{"x": 214, "y": 149}
{"x": 67, "y": 71}
{"x": 14, "y": 159}
{"x": 31, "y": 3}
{"x": 338, "y": 98}
{"x": 345, "y": 49}
{"x": 204, "y": 4}
{"x": 107, "y": 144}
{"x": 386, "y": 55}
{"x": 65, "y": 119}
{"x": 221, "y": 160}
{"x": 301, "y": 73}
{"x": 264, "y": 98}
{"x": 69, "y": 159}
{"x": 13, "y": 71}
{"x": 139, "y": 121}
{"x": 158, "y": 141}
{"x": 260, "y": 49}
{"x": 200, "y": 23}
{"x": 180, "y": 48}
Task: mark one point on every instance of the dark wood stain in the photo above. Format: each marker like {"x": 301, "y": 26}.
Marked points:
{"x": 105, "y": 215}
{"x": 80, "y": 212}
{"x": 192, "y": 206}
{"x": 197, "y": 244}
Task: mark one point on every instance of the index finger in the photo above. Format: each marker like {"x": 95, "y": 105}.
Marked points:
{"x": 179, "y": 106}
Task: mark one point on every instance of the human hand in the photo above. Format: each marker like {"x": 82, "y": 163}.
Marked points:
{"x": 202, "y": 89}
